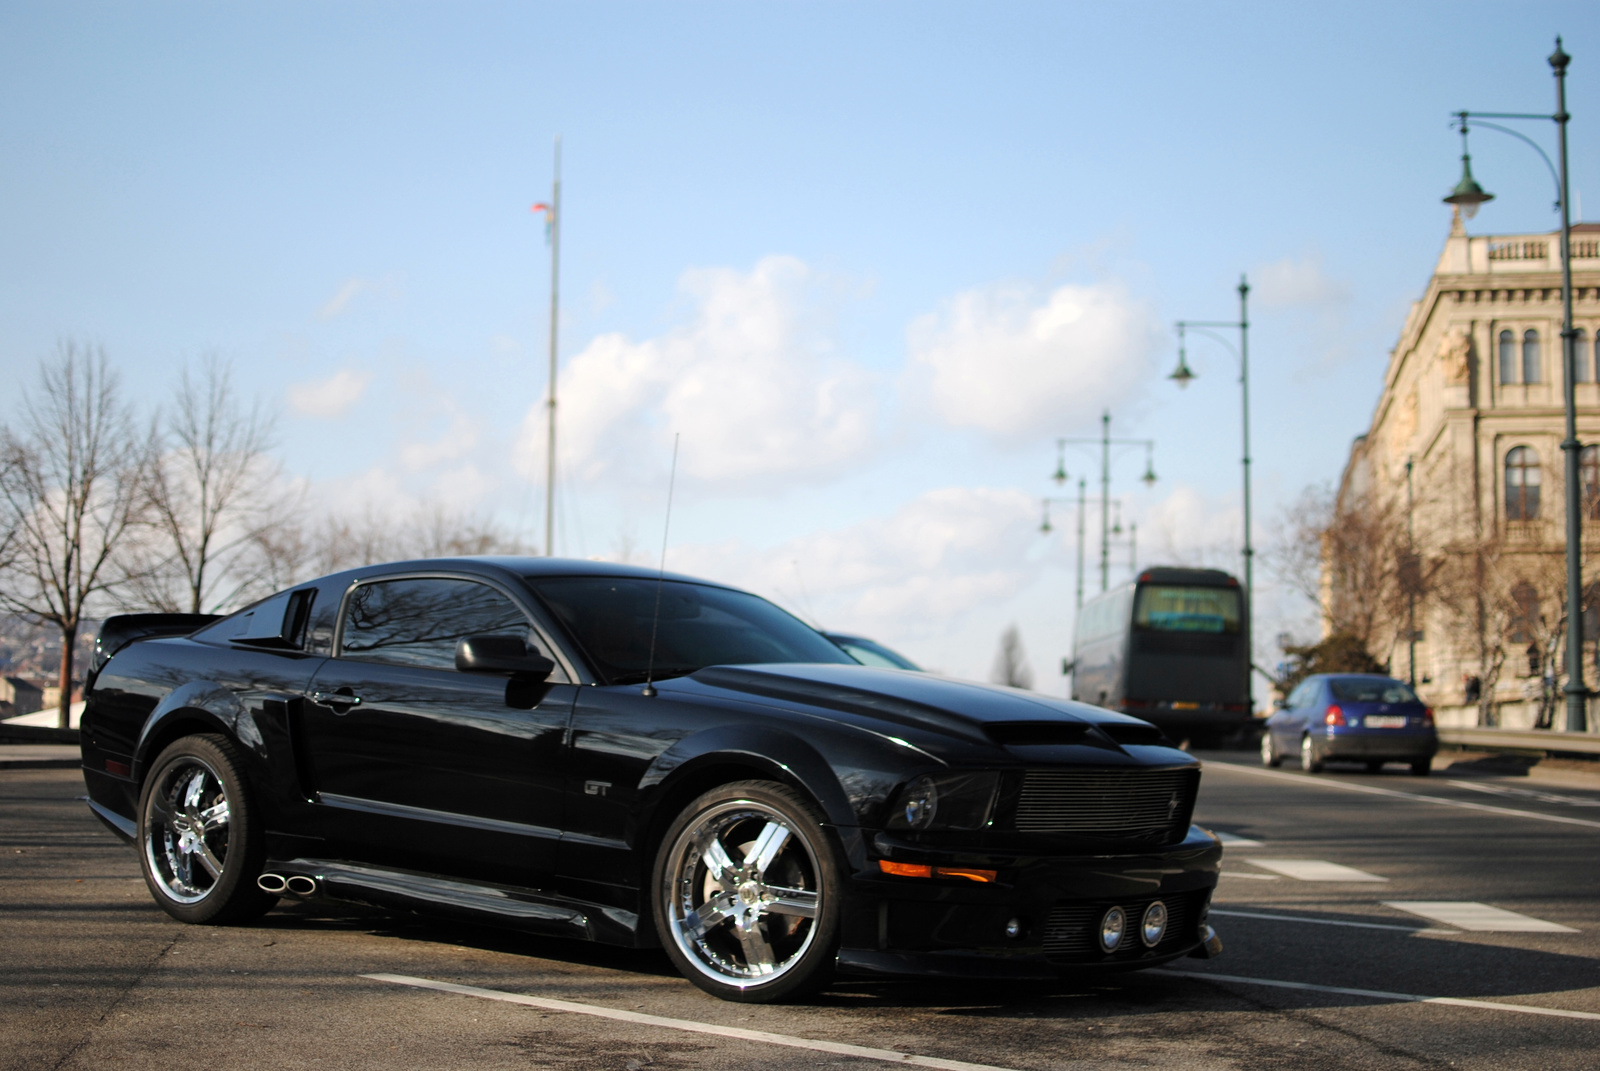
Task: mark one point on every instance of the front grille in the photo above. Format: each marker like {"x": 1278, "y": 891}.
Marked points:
{"x": 1131, "y": 804}
{"x": 1070, "y": 934}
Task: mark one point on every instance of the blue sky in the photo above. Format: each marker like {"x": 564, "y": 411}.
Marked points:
{"x": 868, "y": 259}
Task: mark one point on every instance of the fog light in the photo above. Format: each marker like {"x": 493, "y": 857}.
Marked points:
{"x": 1154, "y": 926}
{"x": 1015, "y": 929}
{"x": 1112, "y": 927}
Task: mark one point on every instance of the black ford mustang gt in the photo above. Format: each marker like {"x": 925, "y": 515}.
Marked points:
{"x": 582, "y": 749}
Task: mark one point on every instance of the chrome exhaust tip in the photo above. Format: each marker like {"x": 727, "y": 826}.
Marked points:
{"x": 272, "y": 883}
{"x": 300, "y": 885}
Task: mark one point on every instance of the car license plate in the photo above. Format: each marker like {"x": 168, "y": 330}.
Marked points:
{"x": 1386, "y": 721}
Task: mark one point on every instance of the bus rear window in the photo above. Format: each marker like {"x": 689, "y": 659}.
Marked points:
{"x": 1171, "y": 608}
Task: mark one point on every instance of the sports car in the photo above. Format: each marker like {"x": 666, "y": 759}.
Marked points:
{"x": 607, "y": 753}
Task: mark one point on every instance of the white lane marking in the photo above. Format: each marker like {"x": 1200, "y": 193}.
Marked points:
{"x": 549, "y": 1004}
{"x": 1377, "y": 994}
{"x": 1331, "y": 922}
{"x": 1235, "y": 841}
{"x": 1374, "y": 790}
{"x": 1313, "y": 870}
{"x": 1527, "y": 793}
{"x": 1242, "y": 874}
{"x": 1480, "y": 918}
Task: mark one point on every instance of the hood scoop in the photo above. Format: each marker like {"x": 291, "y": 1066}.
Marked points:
{"x": 1037, "y": 733}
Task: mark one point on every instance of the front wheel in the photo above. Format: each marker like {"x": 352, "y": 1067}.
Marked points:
{"x": 746, "y": 891}
{"x": 200, "y": 843}
{"x": 1269, "y": 751}
{"x": 1308, "y": 756}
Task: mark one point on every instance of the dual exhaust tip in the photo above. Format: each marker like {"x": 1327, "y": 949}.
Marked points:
{"x": 293, "y": 885}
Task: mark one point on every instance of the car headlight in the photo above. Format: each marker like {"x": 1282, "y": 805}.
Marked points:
{"x": 945, "y": 801}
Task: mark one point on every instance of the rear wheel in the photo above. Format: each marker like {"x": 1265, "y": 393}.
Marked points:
{"x": 1374, "y": 765}
{"x": 746, "y": 891}
{"x": 1309, "y": 762}
{"x": 1269, "y": 751}
{"x": 1422, "y": 769}
{"x": 200, "y": 842}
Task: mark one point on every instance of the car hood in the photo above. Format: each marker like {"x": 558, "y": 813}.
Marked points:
{"x": 924, "y": 703}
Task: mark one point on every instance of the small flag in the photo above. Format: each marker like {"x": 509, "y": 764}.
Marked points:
{"x": 549, "y": 217}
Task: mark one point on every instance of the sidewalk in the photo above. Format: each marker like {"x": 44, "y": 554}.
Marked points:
{"x": 1515, "y": 768}
{"x": 39, "y": 757}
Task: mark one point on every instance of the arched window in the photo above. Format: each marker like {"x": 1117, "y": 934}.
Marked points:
{"x": 1580, "y": 358}
{"x": 1530, "y": 356}
{"x": 1508, "y": 357}
{"x": 1522, "y": 484}
{"x": 1589, "y": 470}
{"x": 1524, "y": 612}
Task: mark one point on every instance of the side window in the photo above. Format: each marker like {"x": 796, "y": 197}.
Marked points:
{"x": 417, "y": 622}
{"x": 1508, "y": 357}
{"x": 1297, "y": 698}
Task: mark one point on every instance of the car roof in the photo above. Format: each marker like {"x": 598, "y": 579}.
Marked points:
{"x": 527, "y": 567}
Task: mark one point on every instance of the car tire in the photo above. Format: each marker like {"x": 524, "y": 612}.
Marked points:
{"x": 1422, "y": 769}
{"x": 746, "y": 893}
{"x": 1374, "y": 765}
{"x": 200, "y": 841}
{"x": 1308, "y": 756}
{"x": 1269, "y": 750}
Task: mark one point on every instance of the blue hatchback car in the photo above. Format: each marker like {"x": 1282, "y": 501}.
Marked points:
{"x": 1351, "y": 717}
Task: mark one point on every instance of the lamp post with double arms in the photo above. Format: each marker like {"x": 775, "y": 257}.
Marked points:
{"x": 1467, "y": 196}
{"x": 1105, "y": 442}
{"x": 1182, "y": 375}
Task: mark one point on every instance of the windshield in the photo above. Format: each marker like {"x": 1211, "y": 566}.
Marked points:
{"x": 1370, "y": 690}
{"x": 1180, "y": 608}
{"x": 869, "y": 653}
{"x": 697, "y": 626}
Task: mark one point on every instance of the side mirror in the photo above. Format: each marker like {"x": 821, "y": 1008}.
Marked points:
{"x": 501, "y": 654}
{"x": 1280, "y": 703}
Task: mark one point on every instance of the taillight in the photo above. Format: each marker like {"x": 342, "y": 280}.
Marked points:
{"x": 1427, "y": 715}
{"x": 1334, "y": 716}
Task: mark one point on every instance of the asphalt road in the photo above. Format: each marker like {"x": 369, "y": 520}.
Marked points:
{"x": 93, "y": 975}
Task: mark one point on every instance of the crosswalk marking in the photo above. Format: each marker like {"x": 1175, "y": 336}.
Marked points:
{"x": 1482, "y": 918}
{"x": 1313, "y": 870}
{"x": 1527, "y": 793}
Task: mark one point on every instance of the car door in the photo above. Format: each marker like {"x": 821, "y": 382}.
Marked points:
{"x": 1281, "y": 725}
{"x": 422, "y": 767}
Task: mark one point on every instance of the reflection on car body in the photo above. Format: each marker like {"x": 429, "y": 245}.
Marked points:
{"x": 472, "y": 737}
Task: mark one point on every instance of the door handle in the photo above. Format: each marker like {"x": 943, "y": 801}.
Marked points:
{"x": 336, "y": 699}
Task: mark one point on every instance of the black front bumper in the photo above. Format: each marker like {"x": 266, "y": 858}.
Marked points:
{"x": 959, "y": 928}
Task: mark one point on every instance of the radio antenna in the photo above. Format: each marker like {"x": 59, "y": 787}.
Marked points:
{"x": 655, "y": 620}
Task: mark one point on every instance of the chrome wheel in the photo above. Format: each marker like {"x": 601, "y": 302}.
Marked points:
{"x": 187, "y": 829}
{"x": 1308, "y": 756}
{"x": 1269, "y": 752}
{"x": 745, "y": 893}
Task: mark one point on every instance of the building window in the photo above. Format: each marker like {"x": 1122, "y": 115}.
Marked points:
{"x": 1589, "y": 469}
{"x": 1580, "y": 358}
{"x": 1522, "y": 484}
{"x": 1524, "y": 612}
{"x": 1530, "y": 356}
{"x": 1584, "y": 357}
{"x": 1508, "y": 357}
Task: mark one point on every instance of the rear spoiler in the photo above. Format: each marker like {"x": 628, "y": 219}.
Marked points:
{"x": 117, "y": 632}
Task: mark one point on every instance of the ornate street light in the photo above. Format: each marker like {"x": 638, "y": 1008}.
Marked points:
{"x": 1468, "y": 195}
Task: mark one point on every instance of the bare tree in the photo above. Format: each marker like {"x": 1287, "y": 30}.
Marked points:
{"x": 212, "y": 496}
{"x": 71, "y": 488}
{"x": 1011, "y": 661}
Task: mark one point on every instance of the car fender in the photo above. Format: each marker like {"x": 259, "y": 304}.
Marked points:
{"x": 205, "y": 705}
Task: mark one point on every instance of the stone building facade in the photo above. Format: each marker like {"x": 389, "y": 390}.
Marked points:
{"x": 1472, "y": 400}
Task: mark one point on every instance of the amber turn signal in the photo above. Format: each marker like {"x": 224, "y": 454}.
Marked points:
{"x": 920, "y": 870}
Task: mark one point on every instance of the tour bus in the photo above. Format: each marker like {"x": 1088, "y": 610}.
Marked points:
{"x": 1168, "y": 647}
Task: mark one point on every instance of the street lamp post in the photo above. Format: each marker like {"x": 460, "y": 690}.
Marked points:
{"x": 1182, "y": 375}
{"x": 1467, "y": 196}
{"x": 1411, "y": 588}
{"x": 1105, "y": 442}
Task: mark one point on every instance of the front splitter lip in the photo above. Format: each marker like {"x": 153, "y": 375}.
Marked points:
{"x": 976, "y": 966}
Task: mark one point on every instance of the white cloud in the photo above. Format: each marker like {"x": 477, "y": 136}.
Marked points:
{"x": 454, "y": 443}
{"x": 329, "y": 397}
{"x": 750, "y": 382}
{"x": 1012, "y": 362}
{"x": 918, "y": 578}
{"x": 350, "y": 289}
{"x": 1298, "y": 282}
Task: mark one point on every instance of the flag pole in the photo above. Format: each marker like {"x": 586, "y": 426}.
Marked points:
{"x": 554, "y": 217}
